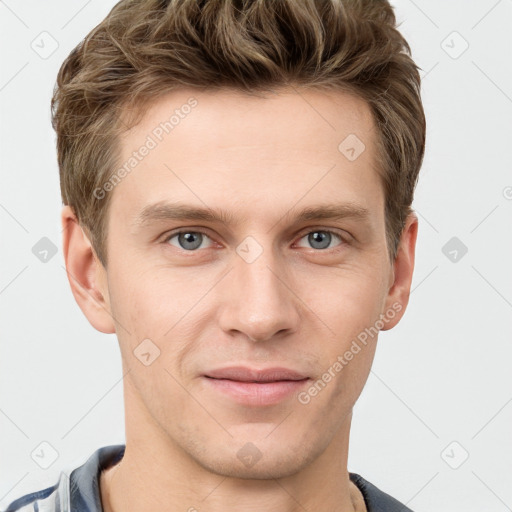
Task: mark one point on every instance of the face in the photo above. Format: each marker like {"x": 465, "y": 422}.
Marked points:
{"x": 286, "y": 281}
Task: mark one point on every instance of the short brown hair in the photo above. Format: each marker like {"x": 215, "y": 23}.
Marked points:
{"x": 146, "y": 48}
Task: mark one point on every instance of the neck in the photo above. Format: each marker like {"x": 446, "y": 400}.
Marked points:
{"x": 157, "y": 474}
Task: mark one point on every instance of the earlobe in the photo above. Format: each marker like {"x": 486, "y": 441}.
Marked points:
{"x": 85, "y": 273}
{"x": 403, "y": 268}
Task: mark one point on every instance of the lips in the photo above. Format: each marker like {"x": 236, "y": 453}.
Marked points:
{"x": 255, "y": 388}
{"x": 243, "y": 374}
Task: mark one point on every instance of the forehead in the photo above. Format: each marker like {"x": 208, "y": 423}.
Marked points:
{"x": 250, "y": 153}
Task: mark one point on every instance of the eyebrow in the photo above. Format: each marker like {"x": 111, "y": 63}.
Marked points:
{"x": 165, "y": 211}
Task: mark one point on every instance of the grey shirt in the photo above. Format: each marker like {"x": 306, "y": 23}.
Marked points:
{"x": 81, "y": 492}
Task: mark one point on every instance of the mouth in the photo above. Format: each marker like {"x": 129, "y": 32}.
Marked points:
{"x": 248, "y": 386}
{"x": 244, "y": 374}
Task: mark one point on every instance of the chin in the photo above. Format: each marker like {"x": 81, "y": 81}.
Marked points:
{"x": 261, "y": 460}
{"x": 267, "y": 468}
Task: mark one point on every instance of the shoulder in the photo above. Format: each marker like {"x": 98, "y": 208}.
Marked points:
{"x": 78, "y": 492}
{"x": 375, "y": 499}
{"x": 45, "y": 500}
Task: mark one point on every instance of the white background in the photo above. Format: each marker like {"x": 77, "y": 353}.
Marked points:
{"x": 442, "y": 375}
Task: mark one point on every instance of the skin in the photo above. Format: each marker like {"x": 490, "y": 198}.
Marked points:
{"x": 296, "y": 305}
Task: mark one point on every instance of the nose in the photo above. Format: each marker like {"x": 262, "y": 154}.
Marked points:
{"x": 259, "y": 300}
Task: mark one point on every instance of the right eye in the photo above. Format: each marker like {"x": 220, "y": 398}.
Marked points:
{"x": 187, "y": 240}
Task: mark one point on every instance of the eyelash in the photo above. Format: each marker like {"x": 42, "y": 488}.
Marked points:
{"x": 344, "y": 240}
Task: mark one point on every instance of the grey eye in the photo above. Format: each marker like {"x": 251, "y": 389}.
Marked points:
{"x": 188, "y": 240}
{"x": 321, "y": 239}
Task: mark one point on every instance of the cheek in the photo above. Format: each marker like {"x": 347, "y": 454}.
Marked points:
{"x": 349, "y": 305}
{"x": 347, "y": 300}
{"x": 345, "y": 367}
{"x": 150, "y": 301}
{"x": 155, "y": 314}
{"x": 145, "y": 309}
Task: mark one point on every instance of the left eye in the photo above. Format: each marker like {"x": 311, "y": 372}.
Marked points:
{"x": 321, "y": 239}
{"x": 192, "y": 240}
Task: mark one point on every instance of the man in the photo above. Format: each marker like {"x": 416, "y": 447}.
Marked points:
{"x": 237, "y": 179}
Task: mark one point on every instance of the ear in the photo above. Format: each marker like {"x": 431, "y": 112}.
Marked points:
{"x": 401, "y": 276}
{"x": 87, "y": 276}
